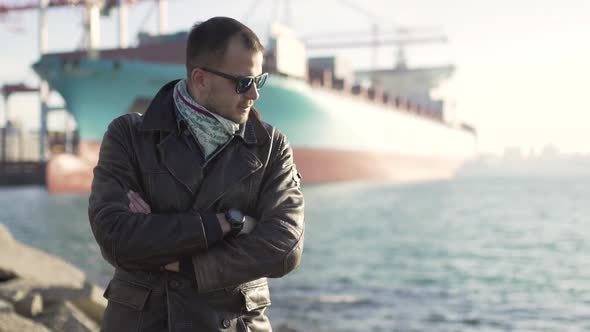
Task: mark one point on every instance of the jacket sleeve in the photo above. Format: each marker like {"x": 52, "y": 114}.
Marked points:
{"x": 275, "y": 247}
{"x": 127, "y": 240}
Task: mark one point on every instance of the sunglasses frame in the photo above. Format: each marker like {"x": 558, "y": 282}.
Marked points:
{"x": 237, "y": 79}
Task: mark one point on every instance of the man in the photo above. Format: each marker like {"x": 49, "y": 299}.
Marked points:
{"x": 198, "y": 201}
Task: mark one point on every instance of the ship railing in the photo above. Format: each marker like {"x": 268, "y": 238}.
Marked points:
{"x": 17, "y": 164}
{"x": 325, "y": 79}
{"x": 22, "y": 173}
{"x": 469, "y": 128}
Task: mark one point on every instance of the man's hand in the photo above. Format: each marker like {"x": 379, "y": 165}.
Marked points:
{"x": 174, "y": 267}
{"x": 137, "y": 204}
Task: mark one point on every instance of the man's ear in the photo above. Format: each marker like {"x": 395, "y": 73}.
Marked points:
{"x": 197, "y": 78}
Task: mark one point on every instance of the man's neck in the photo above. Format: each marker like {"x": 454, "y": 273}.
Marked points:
{"x": 192, "y": 93}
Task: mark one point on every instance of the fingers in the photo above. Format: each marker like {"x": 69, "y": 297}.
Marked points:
{"x": 133, "y": 208}
{"x": 141, "y": 202}
{"x": 137, "y": 204}
{"x": 174, "y": 267}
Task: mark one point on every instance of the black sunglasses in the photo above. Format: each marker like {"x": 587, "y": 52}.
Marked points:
{"x": 243, "y": 83}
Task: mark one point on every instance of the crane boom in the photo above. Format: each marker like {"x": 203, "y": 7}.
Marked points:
{"x": 369, "y": 43}
{"x": 27, "y": 5}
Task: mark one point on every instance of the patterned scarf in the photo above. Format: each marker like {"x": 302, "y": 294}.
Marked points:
{"x": 209, "y": 129}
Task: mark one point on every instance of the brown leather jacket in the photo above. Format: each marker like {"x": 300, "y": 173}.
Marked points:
{"x": 254, "y": 172}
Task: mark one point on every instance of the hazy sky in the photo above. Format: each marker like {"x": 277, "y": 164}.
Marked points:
{"x": 522, "y": 65}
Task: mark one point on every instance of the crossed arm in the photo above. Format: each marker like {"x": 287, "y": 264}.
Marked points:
{"x": 140, "y": 241}
{"x": 138, "y": 205}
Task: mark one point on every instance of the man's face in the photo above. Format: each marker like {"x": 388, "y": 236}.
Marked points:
{"x": 220, "y": 96}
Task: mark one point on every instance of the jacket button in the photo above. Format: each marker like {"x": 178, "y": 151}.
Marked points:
{"x": 226, "y": 323}
{"x": 174, "y": 284}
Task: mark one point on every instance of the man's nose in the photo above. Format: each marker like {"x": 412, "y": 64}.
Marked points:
{"x": 252, "y": 93}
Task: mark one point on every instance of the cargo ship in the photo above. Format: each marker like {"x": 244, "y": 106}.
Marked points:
{"x": 388, "y": 129}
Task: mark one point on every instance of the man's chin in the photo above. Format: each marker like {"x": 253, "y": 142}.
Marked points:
{"x": 242, "y": 120}
{"x": 242, "y": 117}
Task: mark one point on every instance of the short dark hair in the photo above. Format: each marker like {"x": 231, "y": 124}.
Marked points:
{"x": 207, "y": 41}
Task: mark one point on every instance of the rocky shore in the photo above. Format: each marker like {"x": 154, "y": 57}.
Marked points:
{"x": 43, "y": 293}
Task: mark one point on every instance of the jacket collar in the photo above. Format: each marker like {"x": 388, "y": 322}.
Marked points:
{"x": 161, "y": 116}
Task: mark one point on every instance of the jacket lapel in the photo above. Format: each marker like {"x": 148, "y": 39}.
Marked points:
{"x": 183, "y": 163}
{"x": 232, "y": 166}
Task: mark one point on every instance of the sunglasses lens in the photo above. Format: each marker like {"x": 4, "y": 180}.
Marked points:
{"x": 260, "y": 80}
{"x": 244, "y": 84}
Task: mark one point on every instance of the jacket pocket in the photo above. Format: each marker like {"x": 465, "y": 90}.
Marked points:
{"x": 256, "y": 297}
{"x": 126, "y": 302}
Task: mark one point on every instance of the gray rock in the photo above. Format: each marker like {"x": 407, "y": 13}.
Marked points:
{"x": 88, "y": 298}
{"x": 6, "y": 275}
{"x": 22, "y": 295}
{"x": 30, "y": 263}
{"x": 13, "y": 291}
{"x": 285, "y": 328}
{"x": 67, "y": 317}
{"x": 53, "y": 278}
{"x": 29, "y": 306}
{"x": 11, "y": 322}
{"x": 17, "y": 289}
{"x": 6, "y": 307}
{"x": 5, "y": 235}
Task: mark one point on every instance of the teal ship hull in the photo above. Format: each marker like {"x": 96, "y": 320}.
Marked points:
{"x": 336, "y": 136}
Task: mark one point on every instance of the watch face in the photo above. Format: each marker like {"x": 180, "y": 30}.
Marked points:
{"x": 236, "y": 220}
{"x": 236, "y": 216}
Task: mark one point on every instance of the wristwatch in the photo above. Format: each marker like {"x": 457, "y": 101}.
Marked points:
{"x": 236, "y": 220}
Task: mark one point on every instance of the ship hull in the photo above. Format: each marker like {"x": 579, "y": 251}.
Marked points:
{"x": 335, "y": 136}
{"x": 73, "y": 174}
{"x": 319, "y": 166}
